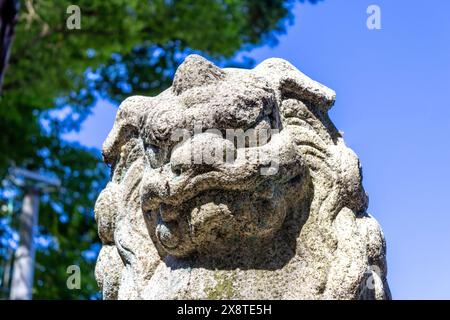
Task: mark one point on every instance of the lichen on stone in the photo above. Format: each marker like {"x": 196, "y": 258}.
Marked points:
{"x": 223, "y": 289}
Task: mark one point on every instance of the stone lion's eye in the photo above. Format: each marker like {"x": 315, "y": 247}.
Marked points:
{"x": 177, "y": 171}
{"x": 152, "y": 154}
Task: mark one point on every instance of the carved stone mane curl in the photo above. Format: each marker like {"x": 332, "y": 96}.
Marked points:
{"x": 224, "y": 230}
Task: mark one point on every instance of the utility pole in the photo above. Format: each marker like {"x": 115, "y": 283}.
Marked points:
{"x": 24, "y": 257}
{"x": 23, "y": 271}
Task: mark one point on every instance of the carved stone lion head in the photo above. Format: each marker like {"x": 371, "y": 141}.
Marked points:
{"x": 234, "y": 183}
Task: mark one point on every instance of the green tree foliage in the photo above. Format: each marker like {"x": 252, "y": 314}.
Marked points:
{"x": 55, "y": 75}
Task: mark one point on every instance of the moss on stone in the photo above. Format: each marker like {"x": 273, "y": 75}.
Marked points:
{"x": 223, "y": 288}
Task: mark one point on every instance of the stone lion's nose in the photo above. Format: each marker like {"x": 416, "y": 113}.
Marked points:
{"x": 160, "y": 192}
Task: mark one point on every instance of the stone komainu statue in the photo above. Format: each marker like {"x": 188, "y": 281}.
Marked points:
{"x": 174, "y": 229}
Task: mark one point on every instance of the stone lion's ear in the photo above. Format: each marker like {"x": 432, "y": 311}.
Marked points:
{"x": 126, "y": 125}
{"x": 289, "y": 82}
{"x": 195, "y": 71}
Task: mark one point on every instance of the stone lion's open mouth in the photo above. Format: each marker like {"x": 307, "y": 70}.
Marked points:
{"x": 218, "y": 219}
{"x": 171, "y": 229}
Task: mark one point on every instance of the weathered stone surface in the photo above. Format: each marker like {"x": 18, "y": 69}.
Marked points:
{"x": 191, "y": 213}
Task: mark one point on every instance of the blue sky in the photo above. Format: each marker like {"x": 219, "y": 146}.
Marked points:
{"x": 393, "y": 104}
